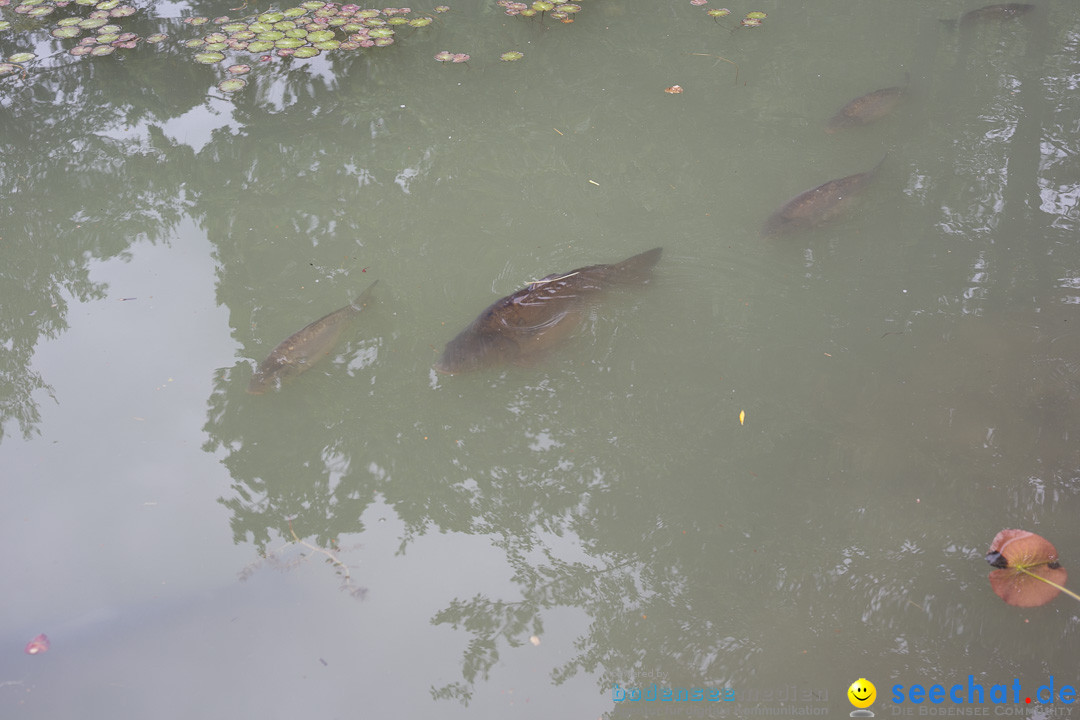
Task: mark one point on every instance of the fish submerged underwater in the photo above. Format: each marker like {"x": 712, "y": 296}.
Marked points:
{"x": 303, "y": 349}
{"x": 991, "y": 13}
{"x": 818, "y": 205}
{"x": 523, "y": 326}
{"x": 866, "y": 109}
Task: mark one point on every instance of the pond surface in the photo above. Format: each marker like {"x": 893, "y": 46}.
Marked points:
{"x": 774, "y": 468}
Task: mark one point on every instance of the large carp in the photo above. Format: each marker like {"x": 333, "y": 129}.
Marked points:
{"x": 301, "y": 350}
{"x": 521, "y": 327}
{"x": 866, "y": 108}
{"x": 818, "y": 205}
{"x": 991, "y": 13}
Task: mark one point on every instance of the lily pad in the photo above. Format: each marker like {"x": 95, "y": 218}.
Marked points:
{"x": 1028, "y": 573}
{"x": 209, "y": 58}
{"x": 232, "y": 85}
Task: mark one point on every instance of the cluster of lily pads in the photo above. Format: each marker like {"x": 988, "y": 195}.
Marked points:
{"x": 304, "y": 31}
{"x": 107, "y": 36}
{"x": 556, "y": 11}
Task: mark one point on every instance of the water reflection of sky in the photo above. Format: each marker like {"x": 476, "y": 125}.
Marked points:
{"x": 195, "y": 127}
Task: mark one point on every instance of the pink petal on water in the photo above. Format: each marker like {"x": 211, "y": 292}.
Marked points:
{"x": 38, "y": 645}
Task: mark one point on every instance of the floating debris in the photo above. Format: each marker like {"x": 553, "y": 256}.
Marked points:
{"x": 674, "y": 89}
{"x": 511, "y": 56}
{"x": 38, "y": 645}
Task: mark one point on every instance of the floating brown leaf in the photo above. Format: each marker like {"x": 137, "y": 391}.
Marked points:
{"x": 1028, "y": 573}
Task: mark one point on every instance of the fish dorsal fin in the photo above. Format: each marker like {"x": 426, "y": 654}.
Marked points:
{"x": 363, "y": 298}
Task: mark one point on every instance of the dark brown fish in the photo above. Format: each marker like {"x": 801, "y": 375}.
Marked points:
{"x": 301, "y": 350}
{"x": 991, "y": 13}
{"x": 819, "y": 205}
{"x": 867, "y": 108}
{"x": 522, "y": 326}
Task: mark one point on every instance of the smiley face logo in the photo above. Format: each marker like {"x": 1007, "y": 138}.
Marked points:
{"x": 862, "y": 693}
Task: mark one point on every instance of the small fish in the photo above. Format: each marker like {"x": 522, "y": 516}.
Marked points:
{"x": 819, "y": 205}
{"x": 866, "y": 108}
{"x": 38, "y": 645}
{"x": 520, "y": 327}
{"x": 301, "y": 350}
{"x": 992, "y": 13}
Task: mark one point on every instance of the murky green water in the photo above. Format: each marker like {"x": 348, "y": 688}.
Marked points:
{"x": 908, "y": 373}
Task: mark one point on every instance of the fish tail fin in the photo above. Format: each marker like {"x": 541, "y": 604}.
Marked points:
{"x": 364, "y": 299}
{"x": 638, "y": 268}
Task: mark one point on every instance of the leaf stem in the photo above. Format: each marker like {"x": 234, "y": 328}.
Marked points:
{"x": 1063, "y": 589}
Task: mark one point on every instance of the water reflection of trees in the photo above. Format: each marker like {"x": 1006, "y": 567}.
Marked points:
{"x": 71, "y": 197}
{"x": 666, "y": 583}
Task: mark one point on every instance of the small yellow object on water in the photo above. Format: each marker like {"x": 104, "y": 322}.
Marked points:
{"x": 742, "y": 416}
